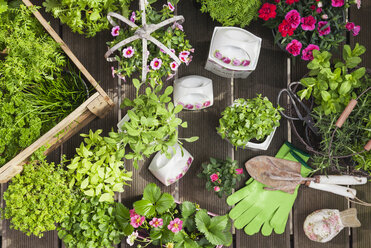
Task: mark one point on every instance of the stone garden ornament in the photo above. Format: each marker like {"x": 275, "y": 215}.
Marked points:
{"x": 144, "y": 33}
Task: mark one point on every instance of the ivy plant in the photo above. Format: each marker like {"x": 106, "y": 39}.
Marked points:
{"x": 332, "y": 83}
{"x": 37, "y": 198}
{"x": 85, "y": 16}
{"x": 152, "y": 124}
{"x": 221, "y": 175}
{"x": 97, "y": 169}
{"x": 231, "y": 13}
{"x": 248, "y": 119}
{"x": 166, "y": 223}
{"x": 91, "y": 223}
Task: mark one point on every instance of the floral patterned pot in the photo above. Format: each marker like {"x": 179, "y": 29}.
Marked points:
{"x": 234, "y": 52}
{"x": 168, "y": 171}
{"x": 193, "y": 92}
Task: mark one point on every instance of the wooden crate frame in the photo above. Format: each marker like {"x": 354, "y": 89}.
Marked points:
{"x": 97, "y": 105}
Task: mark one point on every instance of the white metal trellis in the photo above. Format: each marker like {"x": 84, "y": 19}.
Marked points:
{"x": 144, "y": 33}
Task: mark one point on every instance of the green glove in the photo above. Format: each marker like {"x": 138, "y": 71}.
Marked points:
{"x": 259, "y": 209}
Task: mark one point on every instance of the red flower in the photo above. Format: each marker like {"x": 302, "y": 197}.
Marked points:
{"x": 337, "y": 3}
{"x": 267, "y": 11}
{"x": 294, "y": 47}
{"x": 285, "y": 28}
{"x": 277, "y": 1}
{"x": 293, "y": 17}
{"x": 313, "y": 7}
{"x": 350, "y": 26}
{"x": 307, "y": 53}
{"x": 319, "y": 10}
{"x": 308, "y": 23}
{"x": 289, "y": 2}
{"x": 321, "y": 30}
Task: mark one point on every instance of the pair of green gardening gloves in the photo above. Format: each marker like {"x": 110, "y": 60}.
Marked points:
{"x": 259, "y": 209}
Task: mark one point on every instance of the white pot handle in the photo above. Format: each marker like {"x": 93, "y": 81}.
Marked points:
{"x": 343, "y": 180}
{"x": 336, "y": 189}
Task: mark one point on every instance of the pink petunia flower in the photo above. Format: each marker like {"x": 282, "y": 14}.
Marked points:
{"x": 170, "y": 6}
{"x": 177, "y": 26}
{"x": 236, "y": 62}
{"x": 245, "y": 62}
{"x": 113, "y": 71}
{"x": 307, "y": 53}
{"x": 226, "y": 60}
{"x": 294, "y": 47}
{"x": 293, "y": 18}
{"x": 128, "y": 52}
{"x": 133, "y": 17}
{"x": 156, "y": 63}
{"x": 184, "y": 53}
{"x": 174, "y": 66}
{"x": 172, "y": 50}
{"x": 356, "y": 30}
{"x": 349, "y": 26}
{"x": 214, "y": 177}
{"x": 337, "y": 3}
{"x": 189, "y": 161}
{"x": 121, "y": 77}
{"x": 115, "y": 31}
{"x": 189, "y": 60}
{"x": 216, "y": 188}
{"x": 156, "y": 222}
{"x": 183, "y": 58}
{"x": 137, "y": 220}
{"x": 239, "y": 171}
{"x": 324, "y": 31}
{"x": 175, "y": 225}
{"x": 308, "y": 23}
{"x": 207, "y": 103}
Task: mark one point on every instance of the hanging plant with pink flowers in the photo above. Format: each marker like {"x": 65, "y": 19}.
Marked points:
{"x": 306, "y": 25}
{"x": 159, "y": 62}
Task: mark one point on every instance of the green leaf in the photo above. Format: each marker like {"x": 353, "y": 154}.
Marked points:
{"x": 218, "y": 223}
{"x": 152, "y": 193}
{"x": 345, "y": 88}
{"x": 89, "y": 192}
{"x": 178, "y": 108}
{"x": 85, "y": 183}
{"x": 191, "y": 139}
{"x": 202, "y": 220}
{"x": 144, "y": 207}
{"x": 164, "y": 203}
{"x": 106, "y": 197}
{"x": 155, "y": 233}
{"x": 136, "y": 83}
{"x": 94, "y": 16}
{"x": 325, "y": 95}
{"x": 187, "y": 208}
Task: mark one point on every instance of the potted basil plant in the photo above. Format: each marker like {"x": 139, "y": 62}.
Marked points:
{"x": 250, "y": 119}
{"x": 151, "y": 124}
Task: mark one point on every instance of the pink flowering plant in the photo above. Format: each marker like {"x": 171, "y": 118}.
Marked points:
{"x": 156, "y": 219}
{"x": 306, "y": 25}
{"x": 160, "y": 64}
{"x": 221, "y": 175}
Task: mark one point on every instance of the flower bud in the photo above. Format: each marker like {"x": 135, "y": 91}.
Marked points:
{"x": 319, "y": 5}
{"x": 324, "y": 17}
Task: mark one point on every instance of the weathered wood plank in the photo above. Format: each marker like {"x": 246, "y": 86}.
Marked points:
{"x": 362, "y": 17}
{"x": 268, "y": 79}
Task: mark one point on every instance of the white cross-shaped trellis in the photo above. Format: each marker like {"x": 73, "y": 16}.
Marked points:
{"x": 143, "y": 33}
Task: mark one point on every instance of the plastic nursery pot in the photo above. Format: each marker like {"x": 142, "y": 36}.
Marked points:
{"x": 234, "y": 52}
{"x": 193, "y": 92}
{"x": 170, "y": 170}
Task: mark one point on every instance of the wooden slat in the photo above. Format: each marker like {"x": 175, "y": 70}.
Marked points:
{"x": 362, "y": 17}
{"x": 268, "y": 79}
{"x": 202, "y": 123}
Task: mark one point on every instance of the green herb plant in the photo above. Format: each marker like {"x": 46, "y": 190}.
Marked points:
{"x": 37, "y": 198}
{"x": 332, "y": 83}
{"x": 221, "y": 175}
{"x": 194, "y": 227}
{"x": 91, "y": 223}
{"x": 85, "y": 16}
{"x": 97, "y": 168}
{"x": 152, "y": 124}
{"x": 248, "y": 119}
{"x": 231, "y": 13}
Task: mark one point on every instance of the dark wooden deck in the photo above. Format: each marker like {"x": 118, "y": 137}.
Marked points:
{"x": 273, "y": 72}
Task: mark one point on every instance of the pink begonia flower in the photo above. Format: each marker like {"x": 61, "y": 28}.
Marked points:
{"x": 294, "y": 47}
{"x": 189, "y": 106}
{"x": 308, "y": 23}
{"x": 174, "y": 66}
{"x": 337, "y": 3}
{"x": 319, "y": 10}
{"x": 207, "y": 103}
{"x": 156, "y": 63}
{"x": 175, "y": 225}
{"x": 113, "y": 71}
{"x": 128, "y": 52}
{"x": 356, "y": 30}
{"x": 170, "y": 6}
{"x": 132, "y": 212}
{"x": 226, "y": 60}
{"x": 133, "y": 17}
{"x": 307, "y": 53}
{"x": 293, "y": 18}
{"x": 214, "y": 177}
{"x": 216, "y": 188}
{"x": 245, "y": 62}
{"x": 236, "y": 62}
{"x": 324, "y": 17}
{"x": 189, "y": 161}
{"x": 349, "y": 26}
{"x": 321, "y": 31}
{"x": 137, "y": 220}
{"x": 178, "y": 26}
{"x": 218, "y": 55}
{"x": 239, "y": 171}
{"x": 156, "y": 222}
{"x": 115, "y": 31}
